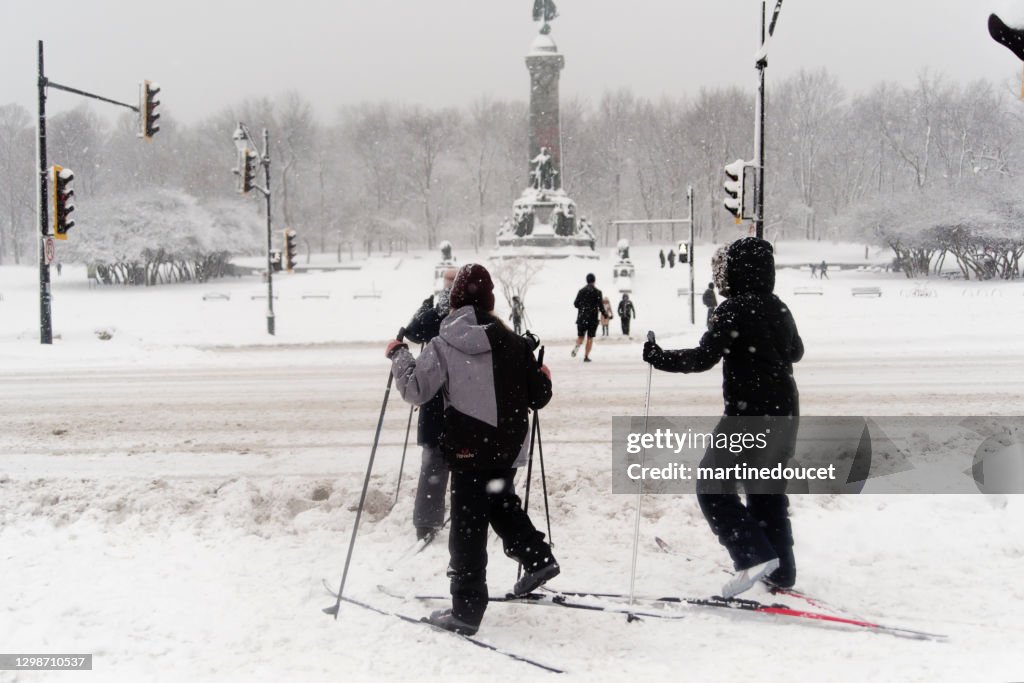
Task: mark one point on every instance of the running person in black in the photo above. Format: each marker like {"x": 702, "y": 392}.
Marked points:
{"x": 589, "y": 302}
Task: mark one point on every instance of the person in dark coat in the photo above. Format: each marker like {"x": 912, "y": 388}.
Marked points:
{"x": 490, "y": 382}
{"x": 428, "y": 510}
{"x": 754, "y": 332}
{"x": 661, "y": 257}
{"x": 823, "y": 269}
{"x": 626, "y": 313}
{"x": 671, "y": 259}
{"x": 710, "y": 301}
{"x": 588, "y": 305}
{"x": 518, "y": 312}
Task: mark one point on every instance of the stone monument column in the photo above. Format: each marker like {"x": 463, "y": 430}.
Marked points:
{"x": 545, "y": 64}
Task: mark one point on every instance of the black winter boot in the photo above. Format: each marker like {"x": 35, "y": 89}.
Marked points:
{"x": 443, "y": 618}
{"x": 785, "y": 575}
{"x": 534, "y": 580}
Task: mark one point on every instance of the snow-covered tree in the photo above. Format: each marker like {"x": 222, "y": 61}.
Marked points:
{"x": 155, "y": 236}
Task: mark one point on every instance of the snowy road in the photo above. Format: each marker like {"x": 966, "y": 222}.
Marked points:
{"x": 177, "y": 522}
{"x": 272, "y": 416}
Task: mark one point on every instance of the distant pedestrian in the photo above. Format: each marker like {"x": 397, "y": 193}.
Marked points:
{"x": 671, "y": 259}
{"x": 518, "y": 312}
{"x": 588, "y": 308}
{"x": 59, "y": 267}
{"x": 824, "y": 270}
{"x": 606, "y": 316}
{"x": 661, "y": 257}
{"x": 626, "y": 313}
{"x": 814, "y": 271}
{"x": 711, "y": 301}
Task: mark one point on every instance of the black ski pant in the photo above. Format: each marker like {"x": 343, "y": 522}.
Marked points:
{"x": 625, "y": 325}
{"x": 428, "y": 510}
{"x": 479, "y": 499}
{"x": 711, "y": 312}
{"x": 760, "y": 530}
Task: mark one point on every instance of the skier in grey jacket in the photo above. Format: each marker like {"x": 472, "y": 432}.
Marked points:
{"x": 490, "y": 382}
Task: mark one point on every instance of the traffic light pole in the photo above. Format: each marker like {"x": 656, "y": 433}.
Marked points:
{"x": 767, "y": 31}
{"x": 45, "y": 308}
{"x": 265, "y": 160}
{"x": 691, "y": 259}
{"x": 45, "y": 322}
{"x": 762, "y": 64}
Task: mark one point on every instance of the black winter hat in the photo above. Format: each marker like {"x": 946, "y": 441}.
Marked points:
{"x": 591, "y": 279}
{"x": 473, "y": 287}
{"x": 750, "y": 266}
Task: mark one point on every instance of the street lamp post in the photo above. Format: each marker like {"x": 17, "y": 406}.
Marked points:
{"x": 243, "y": 140}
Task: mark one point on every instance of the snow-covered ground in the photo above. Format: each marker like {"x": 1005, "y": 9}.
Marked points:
{"x": 171, "y": 498}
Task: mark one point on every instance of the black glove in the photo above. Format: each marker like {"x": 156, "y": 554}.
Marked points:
{"x": 428, "y": 303}
{"x": 652, "y": 352}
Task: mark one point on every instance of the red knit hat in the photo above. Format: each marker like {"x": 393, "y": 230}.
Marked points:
{"x": 473, "y": 287}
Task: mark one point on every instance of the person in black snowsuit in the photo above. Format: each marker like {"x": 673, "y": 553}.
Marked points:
{"x": 626, "y": 313}
{"x": 661, "y": 257}
{"x": 823, "y": 269}
{"x": 671, "y": 259}
{"x": 428, "y": 509}
{"x": 588, "y": 305}
{"x": 754, "y": 332}
{"x": 490, "y": 382}
{"x": 710, "y": 301}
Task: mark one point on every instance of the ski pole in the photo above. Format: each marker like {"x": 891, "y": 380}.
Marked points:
{"x": 540, "y": 455}
{"x": 640, "y": 485}
{"x": 534, "y": 432}
{"x": 366, "y": 485}
{"x": 405, "y": 447}
{"x": 543, "y": 477}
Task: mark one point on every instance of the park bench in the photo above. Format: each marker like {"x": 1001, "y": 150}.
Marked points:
{"x": 372, "y": 293}
{"x": 316, "y": 295}
{"x": 866, "y": 291}
{"x": 216, "y": 296}
{"x": 816, "y": 291}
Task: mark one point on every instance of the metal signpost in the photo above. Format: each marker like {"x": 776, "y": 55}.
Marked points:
{"x": 690, "y": 245}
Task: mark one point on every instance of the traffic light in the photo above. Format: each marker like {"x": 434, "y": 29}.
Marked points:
{"x": 147, "y": 110}
{"x": 62, "y": 201}
{"x": 734, "y": 188}
{"x": 246, "y": 170}
{"x": 290, "y": 250}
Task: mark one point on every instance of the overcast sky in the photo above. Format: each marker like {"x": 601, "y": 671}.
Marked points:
{"x": 207, "y": 54}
